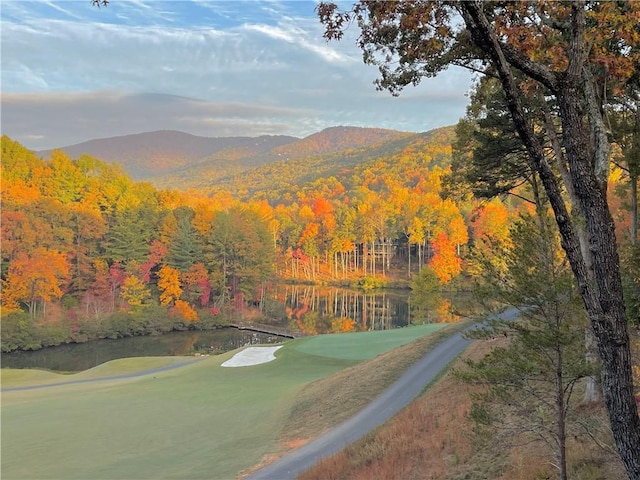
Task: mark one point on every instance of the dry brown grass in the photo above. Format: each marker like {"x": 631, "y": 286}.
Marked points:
{"x": 585, "y": 460}
{"x": 432, "y": 439}
{"x": 425, "y": 441}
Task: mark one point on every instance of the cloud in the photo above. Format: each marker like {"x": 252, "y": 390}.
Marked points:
{"x": 65, "y": 11}
{"x": 242, "y": 67}
{"x": 42, "y": 121}
{"x": 298, "y": 37}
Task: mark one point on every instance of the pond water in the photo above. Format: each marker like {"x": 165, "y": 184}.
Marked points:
{"x": 316, "y": 309}
{"x": 307, "y": 309}
{"x": 81, "y": 356}
{"x": 319, "y": 309}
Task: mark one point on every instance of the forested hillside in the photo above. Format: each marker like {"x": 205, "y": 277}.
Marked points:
{"x": 317, "y": 157}
{"x": 146, "y": 156}
{"x": 88, "y": 252}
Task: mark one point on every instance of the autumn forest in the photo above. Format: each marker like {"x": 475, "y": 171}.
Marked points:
{"x": 90, "y": 253}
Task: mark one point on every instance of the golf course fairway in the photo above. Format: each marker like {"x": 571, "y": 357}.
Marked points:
{"x": 196, "y": 421}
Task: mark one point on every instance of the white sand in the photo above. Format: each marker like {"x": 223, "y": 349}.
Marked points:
{"x": 252, "y": 356}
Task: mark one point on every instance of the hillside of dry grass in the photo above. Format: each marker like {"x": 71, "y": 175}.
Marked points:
{"x": 433, "y": 439}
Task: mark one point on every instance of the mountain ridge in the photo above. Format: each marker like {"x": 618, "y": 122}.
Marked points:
{"x": 272, "y": 179}
{"x": 174, "y": 159}
{"x": 150, "y": 154}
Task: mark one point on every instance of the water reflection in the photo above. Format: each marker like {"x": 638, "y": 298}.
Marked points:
{"x": 315, "y": 309}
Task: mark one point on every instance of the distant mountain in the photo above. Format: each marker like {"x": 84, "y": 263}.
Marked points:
{"x": 336, "y": 139}
{"x": 152, "y": 154}
{"x": 295, "y": 166}
{"x": 167, "y": 153}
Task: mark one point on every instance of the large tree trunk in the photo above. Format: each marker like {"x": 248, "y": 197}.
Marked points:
{"x": 593, "y": 389}
{"x": 587, "y": 153}
{"x": 587, "y": 161}
{"x": 604, "y": 299}
{"x": 634, "y": 209}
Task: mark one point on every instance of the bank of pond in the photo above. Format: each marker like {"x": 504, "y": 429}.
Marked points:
{"x": 72, "y": 345}
{"x": 78, "y": 357}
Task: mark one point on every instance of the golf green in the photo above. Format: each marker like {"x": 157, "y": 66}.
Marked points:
{"x": 363, "y": 345}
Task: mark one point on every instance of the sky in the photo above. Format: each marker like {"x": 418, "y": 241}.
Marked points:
{"x": 71, "y": 72}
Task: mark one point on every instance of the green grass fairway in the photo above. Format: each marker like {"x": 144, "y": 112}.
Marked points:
{"x": 199, "y": 421}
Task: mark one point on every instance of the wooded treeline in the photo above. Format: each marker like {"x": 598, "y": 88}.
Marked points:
{"x": 82, "y": 242}
{"x": 100, "y": 232}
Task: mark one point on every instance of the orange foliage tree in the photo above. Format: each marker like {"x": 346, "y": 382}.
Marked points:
{"x": 184, "y": 311}
{"x": 169, "y": 285}
{"x": 445, "y": 263}
{"x": 34, "y": 278}
{"x": 196, "y": 284}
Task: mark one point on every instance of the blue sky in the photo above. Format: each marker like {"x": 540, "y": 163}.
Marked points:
{"x": 72, "y": 72}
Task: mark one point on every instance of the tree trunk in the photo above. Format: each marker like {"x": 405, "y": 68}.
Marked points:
{"x": 373, "y": 258}
{"x": 603, "y": 297}
{"x": 603, "y": 300}
{"x": 560, "y": 414}
{"x": 634, "y": 209}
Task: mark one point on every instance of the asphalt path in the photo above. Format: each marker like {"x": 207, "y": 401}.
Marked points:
{"x": 381, "y": 409}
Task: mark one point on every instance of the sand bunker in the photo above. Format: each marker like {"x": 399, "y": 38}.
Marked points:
{"x": 252, "y": 356}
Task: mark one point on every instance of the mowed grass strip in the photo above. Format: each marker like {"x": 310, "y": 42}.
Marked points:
{"x": 13, "y": 378}
{"x": 197, "y": 421}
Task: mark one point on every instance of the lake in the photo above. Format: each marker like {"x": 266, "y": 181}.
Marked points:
{"x": 316, "y": 309}
{"x": 76, "y": 357}
{"x": 308, "y": 309}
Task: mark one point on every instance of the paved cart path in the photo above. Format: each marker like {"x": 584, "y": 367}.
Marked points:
{"x": 385, "y": 406}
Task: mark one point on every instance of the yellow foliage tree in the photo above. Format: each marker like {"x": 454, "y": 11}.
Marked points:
{"x": 169, "y": 284}
{"x": 134, "y": 292}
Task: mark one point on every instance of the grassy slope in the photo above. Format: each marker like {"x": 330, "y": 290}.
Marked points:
{"x": 21, "y": 378}
{"x": 198, "y": 421}
{"x": 432, "y": 439}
